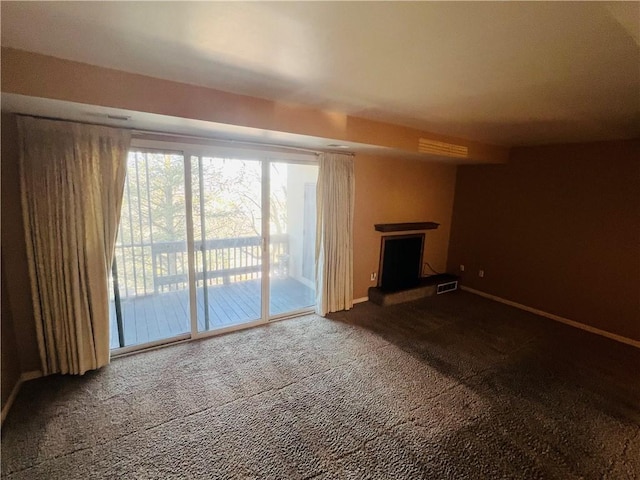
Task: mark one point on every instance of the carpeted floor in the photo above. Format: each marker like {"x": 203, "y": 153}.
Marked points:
{"x": 451, "y": 387}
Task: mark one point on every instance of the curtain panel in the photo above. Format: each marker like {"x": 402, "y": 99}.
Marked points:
{"x": 334, "y": 237}
{"x": 72, "y": 181}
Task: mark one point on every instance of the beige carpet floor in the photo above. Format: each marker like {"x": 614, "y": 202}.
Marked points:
{"x": 451, "y": 387}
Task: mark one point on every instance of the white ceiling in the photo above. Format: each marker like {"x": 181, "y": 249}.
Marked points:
{"x": 508, "y": 73}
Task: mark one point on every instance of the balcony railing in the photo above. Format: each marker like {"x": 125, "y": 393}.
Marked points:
{"x": 150, "y": 268}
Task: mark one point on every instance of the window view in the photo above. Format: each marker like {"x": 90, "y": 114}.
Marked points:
{"x": 227, "y": 224}
{"x": 150, "y": 298}
{"x": 231, "y": 227}
{"x": 293, "y": 237}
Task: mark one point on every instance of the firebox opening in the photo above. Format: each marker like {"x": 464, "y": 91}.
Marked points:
{"x": 401, "y": 261}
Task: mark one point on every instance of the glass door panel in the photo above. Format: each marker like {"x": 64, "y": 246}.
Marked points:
{"x": 150, "y": 289}
{"x": 292, "y": 221}
{"x": 159, "y": 278}
{"x": 227, "y": 224}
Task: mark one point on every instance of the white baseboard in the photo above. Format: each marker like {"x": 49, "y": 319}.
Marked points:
{"x": 557, "y": 318}
{"x": 360, "y": 300}
{"x": 25, "y": 377}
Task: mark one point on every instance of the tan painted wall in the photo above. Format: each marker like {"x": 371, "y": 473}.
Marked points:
{"x": 36, "y": 75}
{"x": 14, "y": 255}
{"x": 10, "y": 360}
{"x": 557, "y": 229}
{"x": 390, "y": 190}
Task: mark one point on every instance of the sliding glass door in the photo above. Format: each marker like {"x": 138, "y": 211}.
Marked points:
{"x": 227, "y": 226}
{"x": 211, "y": 241}
{"x": 150, "y": 299}
{"x": 292, "y": 221}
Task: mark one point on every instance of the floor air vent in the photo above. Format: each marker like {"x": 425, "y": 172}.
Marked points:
{"x": 446, "y": 287}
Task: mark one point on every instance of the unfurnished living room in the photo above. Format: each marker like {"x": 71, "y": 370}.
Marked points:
{"x": 320, "y": 240}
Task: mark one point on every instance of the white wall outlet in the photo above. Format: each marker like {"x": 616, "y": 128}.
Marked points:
{"x": 462, "y": 268}
{"x": 374, "y": 276}
{"x": 481, "y": 273}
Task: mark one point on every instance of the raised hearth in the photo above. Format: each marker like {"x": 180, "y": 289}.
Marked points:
{"x": 426, "y": 287}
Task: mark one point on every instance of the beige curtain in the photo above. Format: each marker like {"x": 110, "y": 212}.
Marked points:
{"x": 334, "y": 237}
{"x": 72, "y": 180}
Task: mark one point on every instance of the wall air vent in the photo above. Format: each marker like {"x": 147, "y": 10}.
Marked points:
{"x": 442, "y": 148}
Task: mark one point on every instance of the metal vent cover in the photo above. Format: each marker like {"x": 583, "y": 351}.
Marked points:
{"x": 435, "y": 147}
{"x": 446, "y": 287}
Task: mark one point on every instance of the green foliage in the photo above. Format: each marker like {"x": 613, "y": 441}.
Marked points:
{"x": 226, "y": 203}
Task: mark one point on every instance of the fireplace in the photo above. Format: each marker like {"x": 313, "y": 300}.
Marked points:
{"x": 401, "y": 262}
{"x": 400, "y": 274}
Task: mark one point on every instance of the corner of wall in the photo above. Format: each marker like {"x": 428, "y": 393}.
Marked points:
{"x": 17, "y": 287}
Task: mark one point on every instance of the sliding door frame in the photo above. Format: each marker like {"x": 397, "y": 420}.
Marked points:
{"x": 266, "y": 238}
{"x": 266, "y": 156}
{"x": 115, "y": 352}
{"x": 270, "y": 160}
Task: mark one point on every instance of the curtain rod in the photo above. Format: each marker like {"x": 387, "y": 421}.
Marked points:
{"x": 238, "y": 142}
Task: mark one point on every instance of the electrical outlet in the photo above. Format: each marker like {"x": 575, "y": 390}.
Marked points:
{"x": 374, "y": 276}
{"x": 462, "y": 268}
{"x": 481, "y": 273}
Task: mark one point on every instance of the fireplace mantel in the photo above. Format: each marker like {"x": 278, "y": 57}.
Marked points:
{"x": 405, "y": 227}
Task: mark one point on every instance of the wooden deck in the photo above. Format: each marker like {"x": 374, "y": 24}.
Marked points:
{"x": 166, "y": 315}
